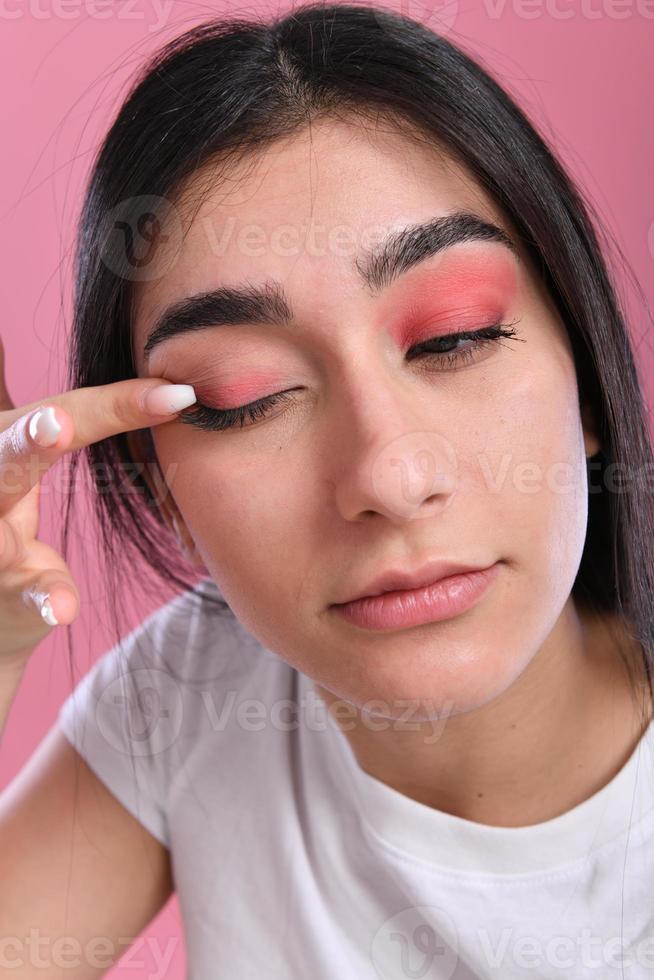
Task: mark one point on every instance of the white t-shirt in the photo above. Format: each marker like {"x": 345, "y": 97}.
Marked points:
{"x": 292, "y": 863}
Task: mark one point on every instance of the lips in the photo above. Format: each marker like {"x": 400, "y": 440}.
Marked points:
{"x": 398, "y": 580}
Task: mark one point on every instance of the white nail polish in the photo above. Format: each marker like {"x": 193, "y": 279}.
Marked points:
{"x": 47, "y": 613}
{"x": 43, "y": 427}
{"x": 167, "y": 399}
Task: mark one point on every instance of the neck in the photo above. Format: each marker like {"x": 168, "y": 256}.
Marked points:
{"x": 555, "y": 737}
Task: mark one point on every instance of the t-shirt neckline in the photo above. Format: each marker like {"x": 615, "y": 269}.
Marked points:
{"x": 454, "y": 843}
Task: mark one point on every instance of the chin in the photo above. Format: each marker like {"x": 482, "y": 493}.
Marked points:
{"x": 421, "y": 674}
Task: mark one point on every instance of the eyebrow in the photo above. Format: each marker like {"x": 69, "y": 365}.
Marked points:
{"x": 377, "y": 268}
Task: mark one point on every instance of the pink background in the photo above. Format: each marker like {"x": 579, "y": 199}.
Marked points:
{"x": 583, "y": 70}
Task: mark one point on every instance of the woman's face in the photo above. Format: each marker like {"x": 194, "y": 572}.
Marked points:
{"x": 378, "y": 459}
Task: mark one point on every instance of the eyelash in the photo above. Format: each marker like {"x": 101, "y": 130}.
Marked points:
{"x": 215, "y": 420}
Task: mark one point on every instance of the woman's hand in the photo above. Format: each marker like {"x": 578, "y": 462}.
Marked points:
{"x": 37, "y": 590}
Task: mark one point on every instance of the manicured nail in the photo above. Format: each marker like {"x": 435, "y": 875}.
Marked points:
{"x": 47, "y": 613}
{"x": 44, "y": 428}
{"x": 168, "y": 399}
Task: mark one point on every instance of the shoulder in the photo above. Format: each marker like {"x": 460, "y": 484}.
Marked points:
{"x": 159, "y": 685}
{"x": 172, "y": 698}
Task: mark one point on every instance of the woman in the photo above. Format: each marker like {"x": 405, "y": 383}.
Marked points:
{"x": 401, "y": 391}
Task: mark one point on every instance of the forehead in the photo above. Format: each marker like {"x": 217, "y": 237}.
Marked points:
{"x": 300, "y": 211}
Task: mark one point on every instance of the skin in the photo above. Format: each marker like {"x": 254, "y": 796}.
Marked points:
{"x": 518, "y": 709}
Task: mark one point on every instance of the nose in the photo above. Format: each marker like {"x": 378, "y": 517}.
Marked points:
{"x": 392, "y": 460}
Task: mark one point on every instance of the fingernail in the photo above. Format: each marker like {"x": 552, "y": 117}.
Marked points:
{"x": 167, "y": 399}
{"x": 47, "y": 613}
{"x": 43, "y": 427}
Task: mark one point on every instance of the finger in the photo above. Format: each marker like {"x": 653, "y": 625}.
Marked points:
{"x": 37, "y": 592}
{"x": 55, "y": 601}
{"x": 36, "y": 439}
{"x": 106, "y": 410}
{"x": 12, "y": 546}
{"x": 23, "y": 461}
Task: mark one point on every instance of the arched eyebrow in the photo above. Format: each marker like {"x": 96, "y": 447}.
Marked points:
{"x": 377, "y": 268}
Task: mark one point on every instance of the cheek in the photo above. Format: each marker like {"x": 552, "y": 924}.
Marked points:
{"x": 239, "y": 511}
{"x": 542, "y": 485}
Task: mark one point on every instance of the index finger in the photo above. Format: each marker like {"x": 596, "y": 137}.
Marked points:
{"x": 35, "y": 436}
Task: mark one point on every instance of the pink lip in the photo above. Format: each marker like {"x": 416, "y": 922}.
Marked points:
{"x": 433, "y": 602}
{"x": 427, "y": 574}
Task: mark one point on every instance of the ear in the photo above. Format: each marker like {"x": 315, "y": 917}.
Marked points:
{"x": 591, "y": 440}
{"x": 141, "y": 450}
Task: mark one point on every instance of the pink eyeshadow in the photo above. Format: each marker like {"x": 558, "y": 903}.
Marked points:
{"x": 463, "y": 293}
{"x": 239, "y": 392}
